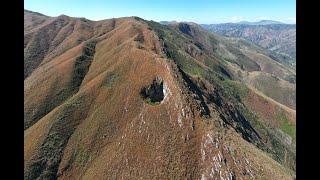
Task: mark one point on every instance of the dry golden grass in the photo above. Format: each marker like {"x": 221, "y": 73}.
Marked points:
{"x": 105, "y": 130}
{"x": 267, "y": 107}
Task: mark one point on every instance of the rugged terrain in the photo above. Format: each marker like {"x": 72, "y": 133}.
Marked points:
{"x": 277, "y": 37}
{"x": 127, "y": 98}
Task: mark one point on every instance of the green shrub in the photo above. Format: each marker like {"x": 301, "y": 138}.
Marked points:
{"x": 286, "y": 126}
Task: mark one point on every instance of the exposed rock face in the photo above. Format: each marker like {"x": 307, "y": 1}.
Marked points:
{"x": 155, "y": 92}
{"x": 185, "y": 28}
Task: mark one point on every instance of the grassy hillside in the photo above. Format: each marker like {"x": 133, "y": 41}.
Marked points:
{"x": 91, "y": 113}
{"x": 280, "y": 39}
{"x": 251, "y": 126}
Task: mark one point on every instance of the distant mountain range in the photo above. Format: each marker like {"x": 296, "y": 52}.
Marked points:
{"x": 279, "y": 38}
{"x": 275, "y": 36}
{"x": 168, "y": 22}
{"x": 262, "y": 22}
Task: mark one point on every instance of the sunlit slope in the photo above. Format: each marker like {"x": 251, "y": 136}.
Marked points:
{"x": 86, "y": 118}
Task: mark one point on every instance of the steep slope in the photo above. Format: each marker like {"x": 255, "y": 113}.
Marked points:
{"x": 46, "y": 38}
{"x": 64, "y": 48}
{"x": 239, "y": 59}
{"x": 222, "y": 64}
{"x": 123, "y": 102}
{"x": 278, "y": 38}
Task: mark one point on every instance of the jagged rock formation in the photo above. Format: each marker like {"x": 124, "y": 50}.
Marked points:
{"x": 155, "y": 92}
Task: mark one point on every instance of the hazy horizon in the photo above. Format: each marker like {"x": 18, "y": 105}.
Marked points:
{"x": 201, "y": 11}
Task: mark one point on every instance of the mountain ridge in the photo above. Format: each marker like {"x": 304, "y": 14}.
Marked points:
{"x": 261, "y": 22}
{"x": 85, "y": 116}
{"x": 278, "y": 38}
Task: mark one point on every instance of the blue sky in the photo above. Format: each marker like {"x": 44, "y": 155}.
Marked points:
{"x": 199, "y": 11}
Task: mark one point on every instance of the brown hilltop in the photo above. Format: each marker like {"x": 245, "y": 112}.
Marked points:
{"x": 85, "y": 117}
